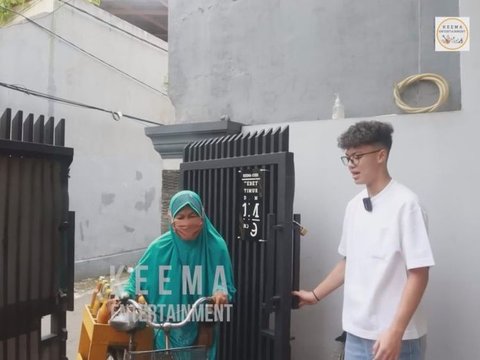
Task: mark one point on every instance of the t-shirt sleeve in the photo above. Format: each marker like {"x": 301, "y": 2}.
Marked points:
{"x": 415, "y": 242}
{"x": 342, "y": 248}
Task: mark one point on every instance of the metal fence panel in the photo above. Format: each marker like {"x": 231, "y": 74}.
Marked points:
{"x": 256, "y": 223}
{"x": 34, "y": 237}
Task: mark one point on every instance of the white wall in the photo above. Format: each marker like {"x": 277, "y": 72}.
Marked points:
{"x": 436, "y": 156}
{"x": 115, "y": 178}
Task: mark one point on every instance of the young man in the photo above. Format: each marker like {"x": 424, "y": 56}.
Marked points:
{"x": 386, "y": 255}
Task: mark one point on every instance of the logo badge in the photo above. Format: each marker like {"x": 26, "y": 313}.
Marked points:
{"x": 452, "y": 34}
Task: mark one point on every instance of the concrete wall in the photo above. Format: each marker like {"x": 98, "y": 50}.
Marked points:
{"x": 280, "y": 62}
{"x": 433, "y": 154}
{"x": 276, "y": 60}
{"x": 115, "y": 178}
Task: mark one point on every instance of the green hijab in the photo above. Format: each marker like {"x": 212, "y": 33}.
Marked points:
{"x": 207, "y": 256}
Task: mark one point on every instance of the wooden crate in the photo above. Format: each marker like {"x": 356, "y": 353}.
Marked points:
{"x": 95, "y": 338}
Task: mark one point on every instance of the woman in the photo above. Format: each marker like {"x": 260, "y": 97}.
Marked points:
{"x": 189, "y": 261}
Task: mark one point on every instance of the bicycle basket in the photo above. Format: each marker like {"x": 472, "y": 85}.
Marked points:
{"x": 184, "y": 353}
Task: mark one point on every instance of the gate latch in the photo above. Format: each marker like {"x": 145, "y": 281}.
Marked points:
{"x": 272, "y": 304}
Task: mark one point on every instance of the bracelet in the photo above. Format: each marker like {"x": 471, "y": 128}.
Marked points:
{"x": 316, "y": 297}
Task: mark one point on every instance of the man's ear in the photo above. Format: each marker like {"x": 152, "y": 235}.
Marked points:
{"x": 383, "y": 155}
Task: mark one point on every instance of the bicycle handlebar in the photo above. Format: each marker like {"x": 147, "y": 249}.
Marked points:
{"x": 169, "y": 325}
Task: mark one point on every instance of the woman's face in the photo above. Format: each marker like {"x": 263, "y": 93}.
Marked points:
{"x": 187, "y": 224}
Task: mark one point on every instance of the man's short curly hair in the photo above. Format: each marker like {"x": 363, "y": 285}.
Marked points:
{"x": 367, "y": 133}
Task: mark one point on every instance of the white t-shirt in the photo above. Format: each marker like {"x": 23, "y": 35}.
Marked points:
{"x": 380, "y": 246}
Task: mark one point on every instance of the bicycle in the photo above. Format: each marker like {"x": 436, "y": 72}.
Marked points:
{"x": 179, "y": 353}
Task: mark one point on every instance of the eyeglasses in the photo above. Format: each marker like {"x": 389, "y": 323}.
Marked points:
{"x": 355, "y": 158}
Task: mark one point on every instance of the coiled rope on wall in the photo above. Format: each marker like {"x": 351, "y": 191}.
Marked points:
{"x": 438, "y": 80}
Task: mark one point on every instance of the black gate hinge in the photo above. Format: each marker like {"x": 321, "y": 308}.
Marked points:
{"x": 64, "y": 226}
{"x": 61, "y": 296}
{"x": 63, "y": 334}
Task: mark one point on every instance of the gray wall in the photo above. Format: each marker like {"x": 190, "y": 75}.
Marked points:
{"x": 115, "y": 178}
{"x": 277, "y": 60}
{"x": 435, "y": 155}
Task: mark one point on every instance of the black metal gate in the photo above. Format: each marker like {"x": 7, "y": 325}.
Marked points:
{"x": 247, "y": 184}
{"x": 36, "y": 237}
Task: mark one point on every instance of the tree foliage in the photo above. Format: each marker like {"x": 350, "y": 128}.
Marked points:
{"x": 5, "y": 9}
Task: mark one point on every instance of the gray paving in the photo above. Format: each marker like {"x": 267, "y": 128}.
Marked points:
{"x": 74, "y": 321}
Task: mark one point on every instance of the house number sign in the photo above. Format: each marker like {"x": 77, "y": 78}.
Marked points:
{"x": 251, "y": 204}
